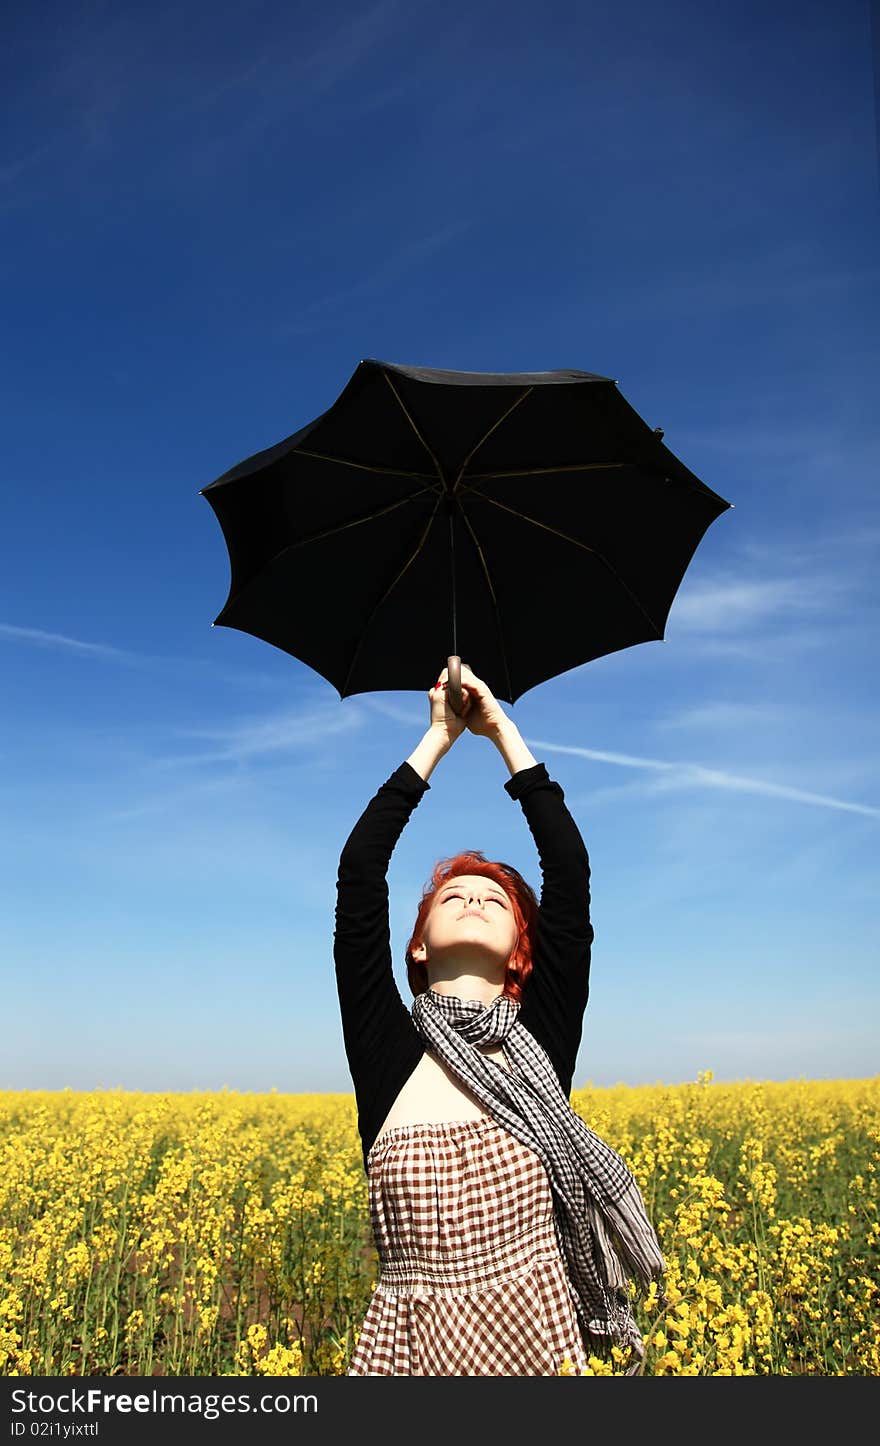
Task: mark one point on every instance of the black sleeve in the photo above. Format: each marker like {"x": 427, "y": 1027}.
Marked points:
{"x": 382, "y": 1044}
{"x": 555, "y": 994}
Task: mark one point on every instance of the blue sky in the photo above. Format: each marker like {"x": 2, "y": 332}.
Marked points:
{"x": 210, "y": 214}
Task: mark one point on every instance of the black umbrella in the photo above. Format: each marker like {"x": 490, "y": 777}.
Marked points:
{"x": 535, "y": 516}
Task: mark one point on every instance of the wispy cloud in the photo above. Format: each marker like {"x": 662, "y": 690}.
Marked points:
{"x": 736, "y": 605}
{"x": 411, "y": 717}
{"x": 683, "y": 775}
{"x": 336, "y": 305}
{"x": 354, "y": 40}
{"x": 808, "y": 601}
{"x": 285, "y": 732}
{"x": 673, "y": 775}
{"x": 106, "y": 652}
{"x": 11, "y": 172}
{"x": 99, "y": 78}
{"x": 847, "y": 551}
{"x": 723, "y": 715}
{"x": 283, "y": 736}
{"x": 293, "y": 70}
{"x": 39, "y": 638}
{"x": 174, "y": 800}
{"x": 792, "y": 274}
{"x": 340, "y": 62}
{"x": 669, "y": 776}
{"x": 841, "y": 440}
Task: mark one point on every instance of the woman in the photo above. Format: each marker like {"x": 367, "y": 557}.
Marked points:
{"x": 507, "y": 1231}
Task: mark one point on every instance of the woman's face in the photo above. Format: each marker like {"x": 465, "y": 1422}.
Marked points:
{"x": 471, "y": 918}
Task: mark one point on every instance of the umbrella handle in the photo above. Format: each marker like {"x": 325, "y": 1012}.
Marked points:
{"x": 453, "y": 691}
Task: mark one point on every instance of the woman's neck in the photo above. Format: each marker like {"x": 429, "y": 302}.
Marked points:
{"x": 467, "y": 986}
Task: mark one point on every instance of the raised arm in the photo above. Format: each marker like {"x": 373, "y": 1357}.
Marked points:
{"x": 375, "y": 1021}
{"x": 381, "y": 1043}
{"x": 555, "y": 994}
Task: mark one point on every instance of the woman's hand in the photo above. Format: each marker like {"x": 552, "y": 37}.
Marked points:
{"x": 444, "y": 728}
{"x": 481, "y": 713}
{"x": 448, "y": 725}
{"x": 484, "y": 715}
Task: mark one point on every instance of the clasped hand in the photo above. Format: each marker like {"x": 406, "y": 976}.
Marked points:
{"x": 481, "y": 713}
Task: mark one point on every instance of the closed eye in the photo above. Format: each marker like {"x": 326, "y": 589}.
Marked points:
{"x": 490, "y": 899}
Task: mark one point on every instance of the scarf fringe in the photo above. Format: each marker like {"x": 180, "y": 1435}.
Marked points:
{"x": 636, "y": 1241}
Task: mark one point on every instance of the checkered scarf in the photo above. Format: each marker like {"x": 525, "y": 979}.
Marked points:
{"x": 602, "y": 1227}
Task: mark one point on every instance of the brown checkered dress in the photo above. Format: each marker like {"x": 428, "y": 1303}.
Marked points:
{"x": 472, "y": 1281}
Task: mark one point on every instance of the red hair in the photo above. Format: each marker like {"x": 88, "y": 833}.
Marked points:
{"x": 525, "y": 912}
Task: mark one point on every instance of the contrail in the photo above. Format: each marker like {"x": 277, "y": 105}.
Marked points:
{"x": 708, "y": 777}
{"x": 59, "y": 640}
{"x": 41, "y": 638}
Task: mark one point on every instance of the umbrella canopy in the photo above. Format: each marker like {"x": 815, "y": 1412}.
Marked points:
{"x": 529, "y": 521}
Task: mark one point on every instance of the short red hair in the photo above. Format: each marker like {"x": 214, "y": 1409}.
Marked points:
{"x": 525, "y": 912}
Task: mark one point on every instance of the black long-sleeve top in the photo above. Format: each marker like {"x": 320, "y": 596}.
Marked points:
{"x": 382, "y": 1044}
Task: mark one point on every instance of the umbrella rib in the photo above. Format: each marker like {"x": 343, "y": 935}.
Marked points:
{"x": 488, "y": 578}
{"x": 542, "y": 471}
{"x": 387, "y": 593}
{"x": 566, "y": 537}
{"x": 366, "y": 466}
{"x": 397, "y": 398}
{"x": 694, "y": 485}
{"x": 486, "y": 435}
{"x": 332, "y": 531}
{"x": 356, "y": 521}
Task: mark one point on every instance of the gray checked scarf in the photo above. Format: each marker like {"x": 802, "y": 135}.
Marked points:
{"x": 602, "y": 1227}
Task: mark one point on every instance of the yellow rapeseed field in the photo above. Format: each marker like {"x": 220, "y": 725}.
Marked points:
{"x": 228, "y": 1234}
